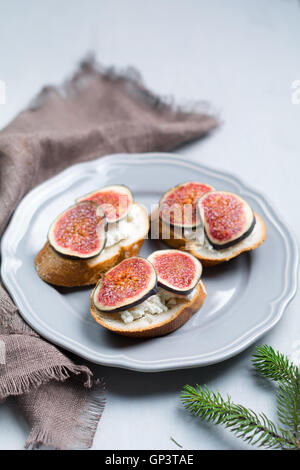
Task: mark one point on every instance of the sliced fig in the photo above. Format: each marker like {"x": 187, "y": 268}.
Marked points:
{"x": 128, "y": 284}
{"x": 177, "y": 271}
{"x": 178, "y": 206}
{"x": 227, "y": 218}
{"x": 115, "y": 201}
{"x": 80, "y": 231}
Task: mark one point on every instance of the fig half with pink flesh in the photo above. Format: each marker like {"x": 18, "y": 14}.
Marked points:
{"x": 115, "y": 200}
{"x": 178, "y": 206}
{"x": 176, "y": 271}
{"x": 227, "y": 218}
{"x": 126, "y": 285}
{"x": 80, "y": 231}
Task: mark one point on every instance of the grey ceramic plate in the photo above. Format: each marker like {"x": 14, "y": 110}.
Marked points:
{"x": 246, "y": 296}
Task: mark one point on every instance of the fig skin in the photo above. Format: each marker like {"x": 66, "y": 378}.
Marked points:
{"x": 173, "y": 191}
{"x": 243, "y": 208}
{"x": 101, "y": 233}
{"x": 235, "y": 241}
{"x": 139, "y": 297}
{"x": 116, "y": 189}
{"x": 164, "y": 283}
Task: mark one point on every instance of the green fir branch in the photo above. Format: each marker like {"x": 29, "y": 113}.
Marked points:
{"x": 277, "y": 367}
{"x": 255, "y": 428}
{"x": 246, "y": 424}
{"x": 288, "y": 406}
{"x": 273, "y": 365}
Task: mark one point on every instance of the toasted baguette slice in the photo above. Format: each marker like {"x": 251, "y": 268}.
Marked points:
{"x": 206, "y": 253}
{"x": 69, "y": 272}
{"x": 160, "y": 324}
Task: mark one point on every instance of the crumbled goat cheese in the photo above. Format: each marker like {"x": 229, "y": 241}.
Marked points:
{"x": 156, "y": 304}
{"x": 194, "y": 237}
{"x": 120, "y": 230}
{"x": 198, "y": 237}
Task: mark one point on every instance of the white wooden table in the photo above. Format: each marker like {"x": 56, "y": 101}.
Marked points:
{"x": 243, "y": 57}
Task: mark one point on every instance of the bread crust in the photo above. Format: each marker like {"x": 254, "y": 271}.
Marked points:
{"x": 181, "y": 243}
{"x": 69, "y": 272}
{"x": 181, "y": 316}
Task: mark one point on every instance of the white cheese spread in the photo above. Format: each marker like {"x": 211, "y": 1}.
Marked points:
{"x": 154, "y": 305}
{"x": 123, "y": 229}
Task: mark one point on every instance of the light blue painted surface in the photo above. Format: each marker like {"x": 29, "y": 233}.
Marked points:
{"x": 242, "y": 56}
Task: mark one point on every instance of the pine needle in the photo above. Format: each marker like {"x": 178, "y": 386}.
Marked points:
{"x": 175, "y": 442}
